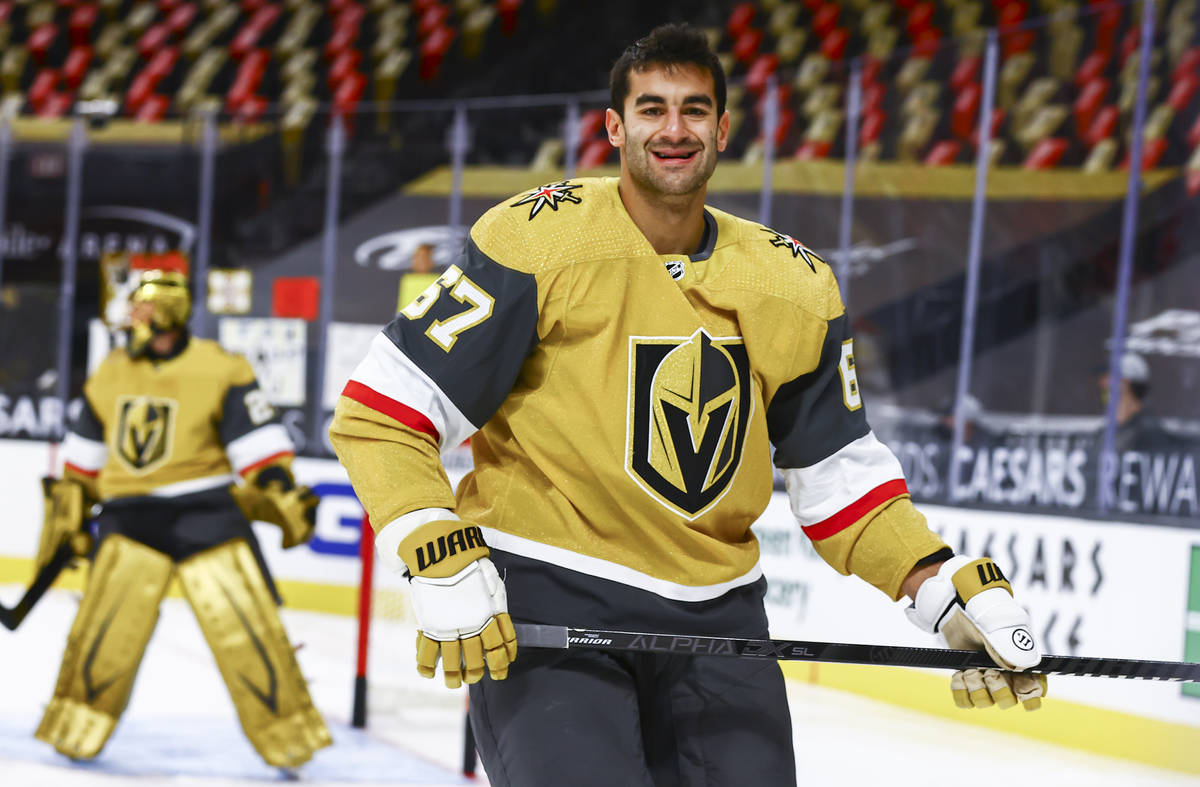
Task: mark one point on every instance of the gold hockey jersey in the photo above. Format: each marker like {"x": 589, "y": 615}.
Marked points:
{"x": 169, "y": 427}
{"x": 623, "y": 406}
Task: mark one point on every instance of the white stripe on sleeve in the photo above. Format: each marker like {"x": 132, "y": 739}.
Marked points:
{"x": 88, "y": 455}
{"x": 388, "y": 371}
{"x": 257, "y": 445}
{"x": 819, "y": 491}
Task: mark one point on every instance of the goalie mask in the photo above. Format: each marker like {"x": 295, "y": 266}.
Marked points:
{"x": 169, "y": 306}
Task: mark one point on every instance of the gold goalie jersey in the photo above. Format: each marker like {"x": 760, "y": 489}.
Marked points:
{"x": 622, "y": 406}
{"x": 174, "y": 426}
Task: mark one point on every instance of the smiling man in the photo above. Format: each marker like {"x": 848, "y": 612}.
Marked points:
{"x": 624, "y": 358}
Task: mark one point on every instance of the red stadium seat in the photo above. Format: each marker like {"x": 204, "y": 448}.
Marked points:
{"x": 167, "y": 6}
{"x": 350, "y": 15}
{"x": 153, "y": 108}
{"x": 155, "y": 37}
{"x": 783, "y": 97}
{"x": 81, "y": 22}
{"x": 591, "y": 123}
{"x": 247, "y": 38}
{"x": 1092, "y": 67}
{"x": 812, "y": 150}
{"x": 740, "y": 19}
{"x": 343, "y": 65}
{"x": 40, "y": 41}
{"x": 1046, "y": 153}
{"x": 1189, "y": 63}
{"x": 1088, "y": 104}
{"x": 1130, "y": 42}
{"x": 928, "y": 42}
{"x": 594, "y": 154}
{"x": 783, "y": 125}
{"x": 920, "y": 18}
{"x": 745, "y": 48}
{"x": 1107, "y": 23}
{"x": 433, "y": 51}
{"x": 435, "y": 18}
{"x": 1011, "y": 14}
{"x": 508, "y": 10}
{"x": 872, "y": 67}
{"x": 1103, "y": 125}
{"x": 44, "y": 84}
{"x": 943, "y": 153}
{"x": 349, "y": 92}
{"x": 825, "y": 19}
{"x": 965, "y": 113}
{"x": 966, "y": 70}
{"x": 75, "y": 67}
{"x": 760, "y": 70}
{"x": 139, "y": 90}
{"x": 833, "y": 47}
{"x": 421, "y": 6}
{"x": 872, "y": 127}
{"x": 340, "y": 40}
{"x": 905, "y": 5}
{"x": 1017, "y": 41}
{"x": 180, "y": 18}
{"x": 55, "y": 105}
{"x": 1193, "y": 134}
{"x": 998, "y": 118}
{"x": 249, "y": 76}
{"x": 813, "y": 5}
{"x": 1182, "y": 91}
{"x": 872, "y": 97}
{"x": 163, "y": 62}
{"x": 1152, "y": 151}
{"x": 5, "y": 10}
{"x": 253, "y": 108}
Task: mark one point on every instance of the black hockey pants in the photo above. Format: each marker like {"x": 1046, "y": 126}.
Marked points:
{"x": 567, "y": 718}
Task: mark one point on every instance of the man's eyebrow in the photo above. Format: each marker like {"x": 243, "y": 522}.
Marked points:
{"x": 650, "y": 98}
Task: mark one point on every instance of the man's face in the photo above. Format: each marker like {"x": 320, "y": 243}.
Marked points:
{"x": 670, "y": 134}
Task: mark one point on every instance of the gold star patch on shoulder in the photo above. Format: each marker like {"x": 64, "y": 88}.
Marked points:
{"x": 549, "y": 196}
{"x": 797, "y": 248}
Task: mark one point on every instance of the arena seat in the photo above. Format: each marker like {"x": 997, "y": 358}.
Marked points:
{"x": 1087, "y": 104}
{"x": 1152, "y": 152}
{"x": 45, "y": 82}
{"x": 783, "y": 19}
{"x": 811, "y": 150}
{"x": 965, "y": 112}
{"x": 1193, "y": 133}
{"x": 762, "y": 68}
{"x": 76, "y": 65}
{"x": 152, "y": 109}
{"x": 1187, "y": 65}
{"x": 825, "y": 19}
{"x": 871, "y": 130}
{"x": 745, "y": 48}
{"x": 740, "y": 19}
{"x": 1108, "y": 22}
{"x": 40, "y": 40}
{"x": 1100, "y": 158}
{"x": 55, "y": 105}
{"x": 433, "y": 52}
{"x": 591, "y": 124}
{"x": 942, "y": 153}
{"x": 1046, "y": 153}
{"x": 1104, "y": 124}
{"x": 346, "y": 62}
{"x": 436, "y": 17}
{"x": 474, "y": 30}
{"x": 246, "y": 39}
{"x": 1182, "y": 91}
{"x": 181, "y": 18}
{"x": 872, "y": 97}
{"x": 80, "y": 23}
{"x": 790, "y": 46}
{"x": 919, "y": 19}
{"x": 833, "y": 46}
{"x": 1092, "y": 67}
{"x": 154, "y": 38}
{"x": 508, "y": 11}
{"x": 594, "y": 154}
{"x": 966, "y": 70}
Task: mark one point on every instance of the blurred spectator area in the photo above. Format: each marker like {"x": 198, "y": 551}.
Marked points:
{"x": 1065, "y": 91}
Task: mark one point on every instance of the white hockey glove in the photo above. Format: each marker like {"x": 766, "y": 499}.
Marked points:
{"x": 970, "y": 604}
{"x": 459, "y": 602}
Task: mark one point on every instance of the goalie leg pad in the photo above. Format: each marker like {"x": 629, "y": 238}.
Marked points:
{"x": 115, "y": 620}
{"x": 238, "y": 616}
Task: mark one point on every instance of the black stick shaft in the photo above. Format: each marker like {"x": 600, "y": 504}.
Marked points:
{"x": 534, "y": 636}
{"x": 12, "y": 617}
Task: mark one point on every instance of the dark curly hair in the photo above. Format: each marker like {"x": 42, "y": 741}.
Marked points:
{"x": 666, "y": 45}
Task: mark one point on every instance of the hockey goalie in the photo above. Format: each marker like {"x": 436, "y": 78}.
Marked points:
{"x": 180, "y": 449}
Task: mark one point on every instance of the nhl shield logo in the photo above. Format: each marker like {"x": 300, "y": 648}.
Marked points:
{"x": 145, "y": 432}
{"x": 689, "y": 408}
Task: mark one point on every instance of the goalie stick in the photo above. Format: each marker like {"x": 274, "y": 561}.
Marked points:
{"x": 11, "y": 617}
{"x": 562, "y": 637}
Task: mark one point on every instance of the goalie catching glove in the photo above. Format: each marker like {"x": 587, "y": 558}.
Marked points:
{"x": 970, "y": 604}
{"x": 272, "y": 496}
{"x": 459, "y": 602}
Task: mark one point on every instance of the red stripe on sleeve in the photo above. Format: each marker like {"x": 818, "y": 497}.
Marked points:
{"x": 856, "y": 510}
{"x": 250, "y": 468}
{"x": 80, "y": 470}
{"x": 406, "y": 415}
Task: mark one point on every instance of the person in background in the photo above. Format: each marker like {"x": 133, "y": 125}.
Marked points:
{"x": 418, "y": 277}
{"x": 1138, "y": 429}
{"x": 180, "y": 449}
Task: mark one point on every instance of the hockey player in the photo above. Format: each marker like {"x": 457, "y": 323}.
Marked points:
{"x": 168, "y": 423}
{"x": 624, "y": 358}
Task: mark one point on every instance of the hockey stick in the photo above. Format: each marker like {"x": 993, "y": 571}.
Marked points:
{"x": 562, "y": 637}
{"x": 12, "y": 617}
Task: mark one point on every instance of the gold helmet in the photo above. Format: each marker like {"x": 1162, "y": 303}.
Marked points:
{"x": 167, "y": 292}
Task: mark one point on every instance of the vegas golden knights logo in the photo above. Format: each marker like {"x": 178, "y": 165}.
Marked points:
{"x": 689, "y": 408}
{"x": 145, "y": 429}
